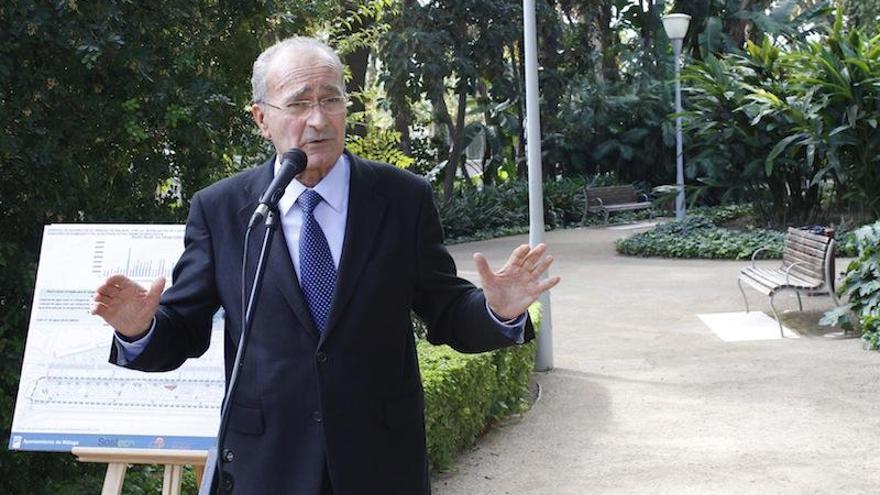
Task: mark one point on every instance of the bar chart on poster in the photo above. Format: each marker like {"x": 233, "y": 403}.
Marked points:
{"x": 69, "y": 395}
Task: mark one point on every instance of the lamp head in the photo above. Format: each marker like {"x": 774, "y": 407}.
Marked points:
{"x": 676, "y": 25}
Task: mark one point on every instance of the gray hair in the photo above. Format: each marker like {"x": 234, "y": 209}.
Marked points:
{"x": 300, "y": 44}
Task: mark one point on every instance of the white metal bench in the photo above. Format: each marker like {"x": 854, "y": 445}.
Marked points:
{"x": 807, "y": 267}
{"x": 613, "y": 198}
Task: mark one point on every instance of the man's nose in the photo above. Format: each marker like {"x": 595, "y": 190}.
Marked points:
{"x": 316, "y": 117}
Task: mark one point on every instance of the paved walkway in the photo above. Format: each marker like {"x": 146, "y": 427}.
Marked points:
{"x": 645, "y": 399}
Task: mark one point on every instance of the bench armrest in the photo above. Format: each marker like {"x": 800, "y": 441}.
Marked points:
{"x": 599, "y": 201}
{"x": 789, "y": 267}
{"x": 647, "y": 198}
{"x": 755, "y": 254}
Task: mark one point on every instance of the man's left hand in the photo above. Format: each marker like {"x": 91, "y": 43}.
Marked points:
{"x": 513, "y": 288}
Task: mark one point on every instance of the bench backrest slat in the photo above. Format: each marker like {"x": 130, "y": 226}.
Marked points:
{"x": 807, "y": 249}
{"x": 807, "y": 266}
{"x": 613, "y": 194}
{"x": 810, "y": 243}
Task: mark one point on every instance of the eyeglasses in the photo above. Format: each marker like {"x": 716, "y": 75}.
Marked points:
{"x": 333, "y": 105}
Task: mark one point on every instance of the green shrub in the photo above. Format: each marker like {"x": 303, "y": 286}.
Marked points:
{"x": 474, "y": 214}
{"x": 785, "y": 118}
{"x": 465, "y": 393}
{"x": 698, "y": 236}
{"x": 861, "y": 285}
{"x": 721, "y": 214}
{"x": 381, "y": 145}
{"x": 847, "y": 244}
{"x": 871, "y": 331}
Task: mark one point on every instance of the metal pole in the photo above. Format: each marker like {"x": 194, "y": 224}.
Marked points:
{"x": 679, "y": 165}
{"x": 544, "y": 355}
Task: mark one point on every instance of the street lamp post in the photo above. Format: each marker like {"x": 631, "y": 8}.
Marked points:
{"x": 544, "y": 352}
{"x": 676, "y": 26}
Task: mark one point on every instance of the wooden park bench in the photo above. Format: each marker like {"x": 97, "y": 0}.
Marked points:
{"x": 613, "y": 198}
{"x": 807, "y": 267}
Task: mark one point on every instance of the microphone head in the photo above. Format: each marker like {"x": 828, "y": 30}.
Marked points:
{"x": 296, "y": 158}
{"x": 293, "y": 162}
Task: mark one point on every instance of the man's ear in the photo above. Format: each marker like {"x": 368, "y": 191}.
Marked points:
{"x": 260, "y": 119}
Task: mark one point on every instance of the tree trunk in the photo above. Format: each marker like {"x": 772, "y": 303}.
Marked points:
{"x": 651, "y": 52}
{"x": 402, "y": 121}
{"x": 608, "y": 38}
{"x": 436, "y": 95}
{"x": 739, "y": 29}
{"x": 457, "y": 145}
{"x": 488, "y": 164}
{"x": 522, "y": 170}
{"x": 357, "y": 61}
{"x": 551, "y": 84}
{"x": 592, "y": 17}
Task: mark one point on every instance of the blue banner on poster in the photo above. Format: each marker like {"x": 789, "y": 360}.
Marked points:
{"x": 54, "y": 442}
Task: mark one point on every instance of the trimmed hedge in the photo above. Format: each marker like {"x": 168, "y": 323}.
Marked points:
{"x": 465, "y": 393}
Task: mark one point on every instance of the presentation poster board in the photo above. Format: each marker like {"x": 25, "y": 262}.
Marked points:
{"x": 69, "y": 395}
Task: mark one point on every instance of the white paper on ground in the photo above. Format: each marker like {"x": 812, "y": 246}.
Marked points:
{"x": 741, "y": 326}
{"x": 633, "y": 226}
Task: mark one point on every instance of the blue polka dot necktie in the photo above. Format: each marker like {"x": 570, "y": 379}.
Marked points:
{"x": 317, "y": 272}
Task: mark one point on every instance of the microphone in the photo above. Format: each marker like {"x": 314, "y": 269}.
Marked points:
{"x": 293, "y": 162}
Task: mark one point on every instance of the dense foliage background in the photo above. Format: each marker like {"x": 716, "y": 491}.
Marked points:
{"x": 119, "y": 111}
{"x": 791, "y": 125}
{"x": 113, "y": 111}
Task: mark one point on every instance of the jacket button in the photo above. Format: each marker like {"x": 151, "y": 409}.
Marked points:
{"x": 321, "y": 357}
{"x": 317, "y": 416}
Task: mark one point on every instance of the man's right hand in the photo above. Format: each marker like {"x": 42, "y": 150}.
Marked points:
{"x": 126, "y": 306}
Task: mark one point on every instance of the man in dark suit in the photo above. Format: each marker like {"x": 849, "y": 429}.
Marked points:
{"x": 330, "y": 398}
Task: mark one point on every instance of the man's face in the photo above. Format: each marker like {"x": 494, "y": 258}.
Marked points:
{"x": 304, "y": 78}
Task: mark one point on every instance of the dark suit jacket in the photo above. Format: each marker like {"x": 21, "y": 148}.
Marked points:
{"x": 352, "y": 396}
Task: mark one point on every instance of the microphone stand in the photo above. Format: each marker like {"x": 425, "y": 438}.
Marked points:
{"x": 215, "y": 481}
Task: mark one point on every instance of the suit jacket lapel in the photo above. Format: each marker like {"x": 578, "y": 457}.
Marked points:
{"x": 366, "y": 208}
{"x": 280, "y": 272}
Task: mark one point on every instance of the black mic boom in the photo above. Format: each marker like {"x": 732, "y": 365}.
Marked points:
{"x": 293, "y": 162}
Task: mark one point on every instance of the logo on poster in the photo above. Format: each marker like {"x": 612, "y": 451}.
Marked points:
{"x": 115, "y": 442}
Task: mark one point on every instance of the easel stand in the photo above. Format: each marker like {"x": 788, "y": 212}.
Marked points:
{"x": 119, "y": 459}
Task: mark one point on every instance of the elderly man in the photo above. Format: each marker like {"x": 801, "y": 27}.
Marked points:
{"x": 330, "y": 398}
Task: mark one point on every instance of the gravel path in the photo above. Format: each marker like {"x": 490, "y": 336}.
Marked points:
{"x": 644, "y": 398}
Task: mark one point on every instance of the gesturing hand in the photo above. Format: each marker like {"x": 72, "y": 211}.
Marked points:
{"x": 126, "y": 306}
{"x": 514, "y": 287}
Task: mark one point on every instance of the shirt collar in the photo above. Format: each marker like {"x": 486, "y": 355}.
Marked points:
{"x": 333, "y": 187}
